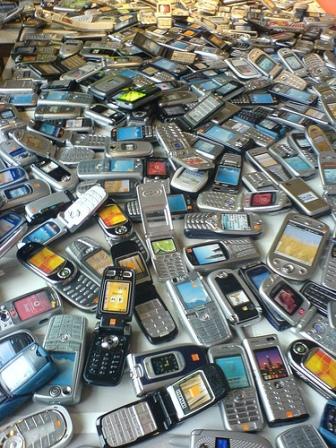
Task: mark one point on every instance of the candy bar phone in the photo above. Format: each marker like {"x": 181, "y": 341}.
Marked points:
{"x": 129, "y": 149}
{"x": 14, "y": 154}
{"x": 228, "y": 174}
{"x": 115, "y": 168}
{"x": 212, "y": 225}
{"x": 298, "y": 246}
{"x": 108, "y": 85}
{"x": 134, "y": 97}
{"x": 198, "y": 310}
{"x": 92, "y": 258}
{"x": 278, "y": 390}
{"x": 318, "y": 139}
{"x": 105, "y": 116}
{"x": 298, "y": 140}
{"x": 305, "y": 198}
{"x": 34, "y": 142}
{"x": 240, "y": 408}
{"x": 111, "y": 338}
{"x": 29, "y": 370}
{"x": 12, "y": 176}
{"x": 314, "y": 365}
{"x": 20, "y": 194}
{"x": 242, "y": 68}
{"x": 293, "y": 94}
{"x": 226, "y": 137}
{"x": 257, "y": 181}
{"x": 166, "y": 258}
{"x": 12, "y": 228}
{"x": 264, "y": 63}
{"x": 152, "y": 370}
{"x": 205, "y": 438}
{"x": 327, "y": 424}
{"x": 65, "y": 343}
{"x": 328, "y": 101}
{"x": 52, "y": 423}
{"x": 59, "y": 97}
{"x": 49, "y": 130}
{"x": 54, "y": 112}
{"x": 62, "y": 274}
{"x": 288, "y": 303}
{"x": 219, "y": 201}
{"x": 224, "y": 253}
{"x": 262, "y": 159}
{"x": 307, "y": 112}
{"x": 150, "y": 311}
{"x": 55, "y": 173}
{"x": 237, "y": 301}
{"x": 160, "y": 411}
{"x": 189, "y": 181}
{"x": 30, "y": 310}
{"x": 327, "y": 171}
{"x": 292, "y": 62}
{"x": 302, "y": 436}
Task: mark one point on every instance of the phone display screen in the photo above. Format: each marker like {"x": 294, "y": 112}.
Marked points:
{"x": 227, "y": 175}
{"x": 208, "y": 253}
{"x": 193, "y": 393}
{"x": 112, "y": 215}
{"x": 99, "y": 261}
{"x": 299, "y": 244}
{"x": 165, "y": 64}
{"x": 7, "y": 114}
{"x": 234, "y": 370}
{"x": 46, "y": 261}
{"x": 204, "y": 146}
{"x": 117, "y": 186}
{"x": 24, "y": 100}
{"x": 156, "y": 168}
{"x": 7, "y": 352}
{"x": 6, "y": 226}
{"x": 130, "y": 133}
{"x": 298, "y": 164}
{"x": 219, "y": 134}
{"x": 261, "y": 98}
{"x": 221, "y": 442}
{"x": 258, "y": 276}
{"x": 293, "y": 62}
{"x": 166, "y": 246}
{"x": 266, "y": 64}
{"x": 299, "y": 95}
{"x": 208, "y": 85}
{"x": 116, "y": 296}
{"x": 49, "y": 129}
{"x": 33, "y": 305}
{"x": 18, "y": 152}
{"x": 262, "y": 199}
{"x": 130, "y": 96}
{"x": 265, "y": 160}
{"x": 134, "y": 262}
{"x": 287, "y": 299}
{"x": 177, "y": 203}
{"x": 65, "y": 362}
{"x": 321, "y": 364}
{"x": 193, "y": 294}
{"x": 43, "y": 233}
{"x": 17, "y": 192}
{"x": 235, "y": 221}
{"x": 244, "y": 67}
{"x": 17, "y": 373}
{"x": 57, "y": 95}
{"x": 54, "y": 170}
{"x": 6, "y": 176}
{"x": 227, "y": 88}
{"x": 165, "y": 364}
{"x": 125, "y": 165}
{"x": 270, "y": 363}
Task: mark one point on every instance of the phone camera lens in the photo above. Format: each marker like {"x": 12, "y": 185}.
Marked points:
{"x": 300, "y": 348}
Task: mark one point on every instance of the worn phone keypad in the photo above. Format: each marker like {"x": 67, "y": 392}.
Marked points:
{"x": 243, "y": 408}
{"x": 82, "y": 291}
{"x": 218, "y": 201}
{"x": 155, "y": 318}
{"x": 65, "y": 333}
{"x": 305, "y": 436}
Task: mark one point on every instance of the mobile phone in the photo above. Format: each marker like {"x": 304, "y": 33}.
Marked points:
{"x": 152, "y": 370}
{"x": 281, "y": 405}
{"x": 327, "y": 423}
{"x": 47, "y": 207}
{"x": 34, "y": 142}
{"x": 223, "y": 439}
{"x": 134, "y": 133}
{"x": 224, "y": 253}
{"x": 318, "y": 139}
{"x": 93, "y": 141}
{"x": 186, "y": 397}
{"x": 111, "y": 338}
{"x": 205, "y": 147}
{"x": 45, "y": 233}
{"x": 327, "y": 167}
{"x": 264, "y": 63}
{"x": 150, "y": 311}
{"x": 228, "y": 173}
{"x": 134, "y": 97}
{"x": 212, "y": 224}
{"x": 49, "y": 130}
{"x": 90, "y": 256}
{"x": 327, "y": 96}
{"x": 255, "y": 98}
{"x": 262, "y": 159}
{"x": 55, "y": 112}
{"x": 12, "y": 227}
{"x": 108, "y": 85}
{"x": 62, "y": 274}
{"x": 297, "y": 247}
{"x": 15, "y": 155}
{"x": 206, "y": 107}
{"x": 29, "y": 370}
{"x": 167, "y": 260}
{"x": 305, "y": 198}
{"x": 292, "y": 62}
{"x": 65, "y": 343}
{"x": 197, "y": 307}
{"x": 59, "y": 98}
{"x": 238, "y": 303}
{"x": 293, "y": 94}
{"x": 110, "y": 168}
{"x": 229, "y": 138}
{"x": 307, "y": 112}
{"x": 18, "y": 195}
{"x": 265, "y": 201}
{"x": 189, "y": 181}
{"x": 172, "y": 67}
{"x": 12, "y": 176}
{"x": 242, "y": 68}
{"x": 55, "y": 173}
{"x": 300, "y": 436}
{"x": 298, "y": 140}
{"x": 54, "y": 422}
{"x": 104, "y": 115}
{"x": 240, "y": 408}
{"x": 314, "y": 365}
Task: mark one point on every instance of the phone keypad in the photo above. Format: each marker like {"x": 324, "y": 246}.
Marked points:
{"x": 319, "y": 330}
{"x": 75, "y": 154}
{"x": 169, "y": 266}
{"x": 155, "y": 318}
{"x": 243, "y": 408}
{"x": 82, "y": 291}
{"x": 172, "y": 139}
{"x": 305, "y": 436}
{"x": 218, "y": 201}
{"x": 209, "y": 325}
{"x": 65, "y": 333}
{"x": 284, "y": 396}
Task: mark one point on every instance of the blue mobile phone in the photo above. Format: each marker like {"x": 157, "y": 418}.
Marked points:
{"x": 9, "y": 223}
{"x": 10, "y": 176}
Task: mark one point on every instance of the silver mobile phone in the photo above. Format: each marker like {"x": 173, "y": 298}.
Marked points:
{"x": 265, "y": 201}
{"x": 318, "y": 139}
{"x": 298, "y": 246}
{"x": 300, "y": 436}
{"x": 55, "y": 173}
{"x": 292, "y": 62}
{"x": 262, "y": 159}
{"x": 55, "y": 112}
{"x": 264, "y": 63}
{"x": 327, "y": 170}
{"x": 14, "y": 154}
{"x": 258, "y": 181}
{"x": 188, "y": 180}
{"x": 33, "y": 142}
{"x": 278, "y": 390}
{"x": 52, "y": 424}
{"x": 235, "y": 298}
{"x": 129, "y": 149}
{"x": 65, "y": 343}
{"x": 201, "y": 438}
{"x": 305, "y": 198}
{"x": 219, "y": 201}
{"x": 240, "y": 408}
{"x": 166, "y": 258}
{"x": 328, "y": 278}
{"x": 115, "y": 168}
{"x": 60, "y": 97}
{"x": 224, "y": 253}
{"x": 198, "y": 310}
{"x": 19, "y": 195}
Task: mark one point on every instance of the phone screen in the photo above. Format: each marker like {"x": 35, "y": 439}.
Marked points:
{"x": 6, "y": 226}
{"x": 204, "y": 146}
{"x": 112, "y": 215}
{"x": 6, "y": 176}
{"x": 43, "y": 233}
{"x": 33, "y": 305}
{"x": 165, "y": 64}
{"x": 125, "y": 165}
{"x": 270, "y": 363}
{"x": 221, "y": 442}
{"x": 166, "y": 246}
{"x": 265, "y": 160}
{"x": 54, "y": 170}
{"x": 293, "y": 62}
{"x": 193, "y": 294}
{"x": 298, "y": 164}
{"x": 134, "y": 262}
{"x": 234, "y": 370}
{"x": 17, "y": 373}
{"x": 207, "y": 253}
{"x": 129, "y": 133}
{"x": 262, "y": 98}
{"x": 7, "y": 114}
{"x": 219, "y": 134}
{"x": 117, "y": 186}
{"x": 227, "y": 175}
{"x": 227, "y": 88}
{"x": 7, "y": 352}
{"x": 262, "y": 199}
{"x": 177, "y": 203}
{"x": 321, "y": 364}
{"x": 258, "y": 275}
{"x": 156, "y": 168}
{"x": 116, "y": 296}
{"x": 65, "y": 362}
{"x": 299, "y": 243}
{"x": 17, "y": 192}
{"x": 130, "y": 96}
{"x": 99, "y": 261}
{"x": 193, "y": 393}
{"x": 287, "y": 299}
{"x": 236, "y": 221}
{"x": 46, "y": 261}
{"x": 265, "y": 63}
{"x": 164, "y": 364}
